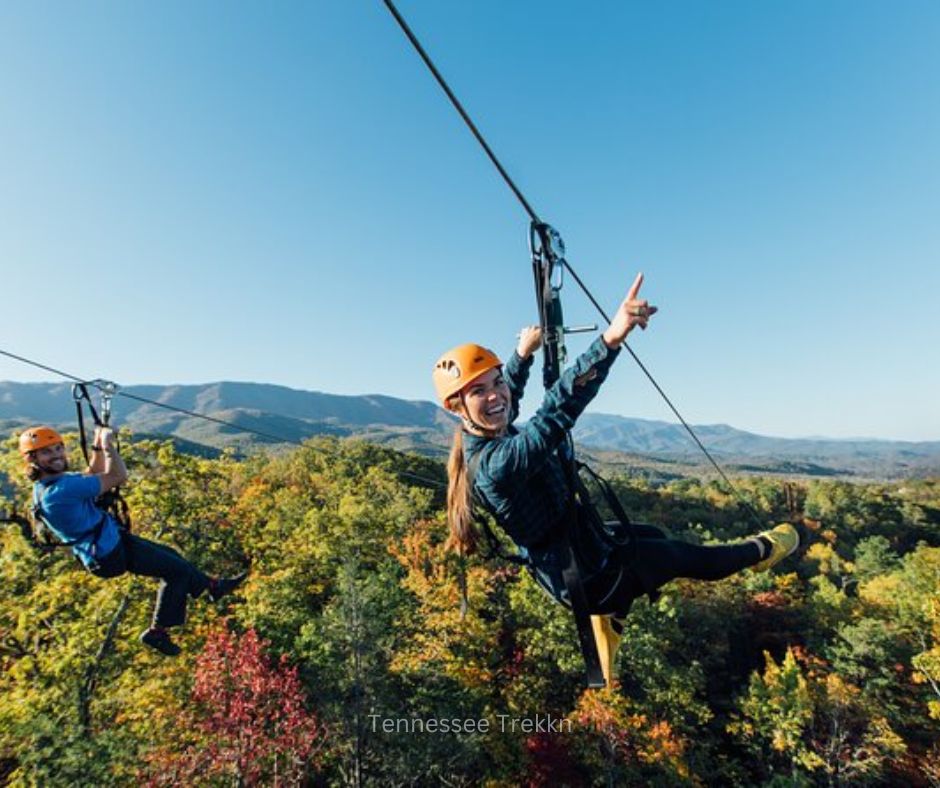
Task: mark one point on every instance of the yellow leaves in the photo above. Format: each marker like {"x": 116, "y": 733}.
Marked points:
{"x": 255, "y": 497}
{"x": 665, "y": 745}
{"x": 460, "y": 646}
{"x": 790, "y": 586}
{"x": 820, "y": 552}
{"x": 352, "y": 507}
{"x": 881, "y": 591}
{"x": 816, "y": 722}
{"x": 829, "y": 536}
{"x": 884, "y": 737}
{"x": 927, "y": 671}
{"x": 839, "y": 691}
{"x": 423, "y": 554}
{"x": 778, "y": 707}
{"x": 829, "y": 561}
{"x": 717, "y": 497}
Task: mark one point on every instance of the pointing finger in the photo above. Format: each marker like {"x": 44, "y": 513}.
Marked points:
{"x": 635, "y": 287}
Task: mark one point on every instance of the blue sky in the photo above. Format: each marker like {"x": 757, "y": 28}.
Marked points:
{"x": 192, "y": 192}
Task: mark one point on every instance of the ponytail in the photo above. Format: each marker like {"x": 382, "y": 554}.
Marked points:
{"x": 464, "y": 536}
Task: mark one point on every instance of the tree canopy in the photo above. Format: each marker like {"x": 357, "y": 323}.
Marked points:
{"x": 350, "y": 640}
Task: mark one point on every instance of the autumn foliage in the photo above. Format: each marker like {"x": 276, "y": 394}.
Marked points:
{"x": 824, "y": 672}
{"x": 248, "y": 719}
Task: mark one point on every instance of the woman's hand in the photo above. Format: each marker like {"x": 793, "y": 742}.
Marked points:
{"x": 634, "y": 311}
{"x": 530, "y": 340}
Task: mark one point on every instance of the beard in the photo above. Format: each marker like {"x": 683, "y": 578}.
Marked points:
{"x": 55, "y": 467}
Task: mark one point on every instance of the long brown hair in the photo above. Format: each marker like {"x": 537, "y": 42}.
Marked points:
{"x": 464, "y": 535}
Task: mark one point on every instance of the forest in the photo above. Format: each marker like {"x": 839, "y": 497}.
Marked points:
{"x": 361, "y": 652}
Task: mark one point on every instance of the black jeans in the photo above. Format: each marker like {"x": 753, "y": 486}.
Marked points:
{"x": 647, "y": 564}
{"x": 142, "y": 557}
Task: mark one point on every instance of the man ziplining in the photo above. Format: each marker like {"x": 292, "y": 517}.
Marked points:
{"x": 66, "y": 504}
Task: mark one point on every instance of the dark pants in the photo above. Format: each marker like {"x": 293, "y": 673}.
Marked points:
{"x": 149, "y": 559}
{"x": 649, "y": 563}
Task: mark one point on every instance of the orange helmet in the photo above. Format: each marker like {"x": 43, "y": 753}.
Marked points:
{"x": 38, "y": 438}
{"x": 460, "y": 366}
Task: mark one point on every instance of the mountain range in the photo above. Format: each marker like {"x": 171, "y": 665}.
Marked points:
{"x": 288, "y": 415}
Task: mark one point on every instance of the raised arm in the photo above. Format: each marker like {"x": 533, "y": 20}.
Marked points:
{"x": 515, "y": 457}
{"x": 525, "y": 452}
{"x": 113, "y": 471}
{"x": 517, "y": 368}
{"x": 96, "y": 460}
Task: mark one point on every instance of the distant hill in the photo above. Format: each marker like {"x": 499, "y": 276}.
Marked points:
{"x": 745, "y": 451}
{"x": 663, "y": 449}
{"x": 276, "y": 411}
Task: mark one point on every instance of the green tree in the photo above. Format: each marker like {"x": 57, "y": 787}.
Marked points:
{"x": 775, "y": 717}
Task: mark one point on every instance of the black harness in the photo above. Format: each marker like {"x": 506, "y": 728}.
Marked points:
{"x": 111, "y": 502}
{"x": 548, "y": 267}
{"x": 582, "y": 547}
{"x": 617, "y": 533}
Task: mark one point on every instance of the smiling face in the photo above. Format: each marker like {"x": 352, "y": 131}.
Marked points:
{"x": 51, "y": 460}
{"x": 486, "y": 402}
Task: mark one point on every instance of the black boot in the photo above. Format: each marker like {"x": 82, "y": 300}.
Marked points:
{"x": 220, "y": 586}
{"x": 158, "y": 639}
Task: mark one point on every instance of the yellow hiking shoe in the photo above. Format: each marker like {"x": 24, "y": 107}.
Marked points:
{"x": 784, "y": 539}
{"x": 608, "y": 630}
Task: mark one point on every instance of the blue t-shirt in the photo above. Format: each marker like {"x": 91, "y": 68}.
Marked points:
{"x": 68, "y": 508}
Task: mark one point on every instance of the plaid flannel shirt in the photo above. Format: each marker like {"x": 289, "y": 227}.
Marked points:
{"x": 519, "y": 478}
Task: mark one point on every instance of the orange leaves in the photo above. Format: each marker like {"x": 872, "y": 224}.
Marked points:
{"x": 630, "y": 737}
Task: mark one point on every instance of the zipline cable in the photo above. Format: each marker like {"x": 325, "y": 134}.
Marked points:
{"x": 121, "y": 393}
{"x": 192, "y": 413}
{"x": 532, "y": 215}
{"x": 662, "y": 393}
{"x": 459, "y": 107}
{"x": 53, "y": 370}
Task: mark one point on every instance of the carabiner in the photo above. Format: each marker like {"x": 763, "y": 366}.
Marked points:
{"x": 108, "y": 389}
{"x": 547, "y": 246}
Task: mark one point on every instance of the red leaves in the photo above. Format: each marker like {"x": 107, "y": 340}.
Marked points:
{"x": 551, "y": 762}
{"x": 249, "y": 716}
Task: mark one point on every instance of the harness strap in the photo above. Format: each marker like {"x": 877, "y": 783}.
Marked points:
{"x": 571, "y": 576}
{"x": 619, "y": 534}
{"x": 572, "y": 573}
{"x": 112, "y": 501}
{"x": 80, "y": 394}
{"x": 493, "y": 543}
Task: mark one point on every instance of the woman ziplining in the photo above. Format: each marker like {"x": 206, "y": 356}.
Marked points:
{"x": 528, "y": 478}
{"x": 66, "y": 503}
{"x": 516, "y": 475}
